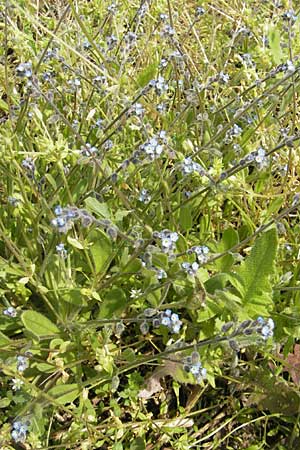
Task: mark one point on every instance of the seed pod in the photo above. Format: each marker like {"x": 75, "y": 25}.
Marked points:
{"x": 227, "y": 326}
{"x": 115, "y": 381}
{"x": 150, "y": 312}
{"x": 144, "y": 327}
{"x": 112, "y": 233}
{"x": 120, "y": 327}
{"x": 195, "y": 357}
{"x": 156, "y": 322}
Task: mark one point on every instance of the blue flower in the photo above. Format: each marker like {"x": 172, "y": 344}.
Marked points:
{"x": 22, "y": 363}
{"x": 58, "y": 210}
{"x": 10, "y": 311}
{"x": 24, "y": 70}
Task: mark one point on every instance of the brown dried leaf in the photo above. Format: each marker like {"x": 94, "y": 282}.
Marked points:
{"x": 293, "y": 364}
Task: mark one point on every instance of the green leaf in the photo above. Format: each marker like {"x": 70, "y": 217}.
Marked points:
{"x": 120, "y": 214}
{"x": 216, "y": 282}
{"x": 114, "y": 303}
{"x": 38, "y": 324}
{"x": 3, "y": 105}
{"x": 64, "y": 393}
{"x": 230, "y": 238}
{"x": 101, "y": 249}
{"x": 254, "y": 273}
{"x": 51, "y": 180}
{"x": 274, "y": 42}
{"x": 185, "y": 218}
{"x": 73, "y": 296}
{"x": 146, "y": 75}
{"x": 94, "y": 206}
{"x": 4, "y": 402}
{"x": 4, "y": 340}
{"x": 75, "y": 243}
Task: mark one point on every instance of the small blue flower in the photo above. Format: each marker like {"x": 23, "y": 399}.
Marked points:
{"x": 224, "y": 77}
{"x": 265, "y": 327}
{"x": 22, "y": 363}
{"x": 28, "y": 164}
{"x": 13, "y": 200}
{"x": 61, "y": 222}
{"x": 24, "y": 70}
{"x": 144, "y": 196}
{"x": 161, "y": 273}
{"x": 191, "y": 269}
{"x": 58, "y": 210}
{"x": 166, "y": 321}
{"x": 20, "y": 430}
{"x": 199, "y": 11}
{"x": 10, "y": 312}
{"x": 192, "y": 364}
{"x": 60, "y": 248}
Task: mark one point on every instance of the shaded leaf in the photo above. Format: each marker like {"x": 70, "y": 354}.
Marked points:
{"x": 137, "y": 444}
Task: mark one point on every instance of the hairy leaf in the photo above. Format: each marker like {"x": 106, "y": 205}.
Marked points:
{"x": 252, "y": 278}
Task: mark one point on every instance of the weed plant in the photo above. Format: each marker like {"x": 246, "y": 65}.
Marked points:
{"x": 149, "y": 226}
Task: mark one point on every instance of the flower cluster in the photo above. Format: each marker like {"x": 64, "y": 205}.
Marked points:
{"x": 65, "y": 218}
{"x": 234, "y": 132}
{"x": 160, "y": 273}
{"x": 154, "y": 147}
{"x": 201, "y": 251}
{"x": 111, "y": 41}
{"x": 188, "y": 166}
{"x": 13, "y": 201}
{"x": 20, "y": 430}
{"x": 168, "y": 319}
{"x": 192, "y": 364}
{"x": 260, "y": 158}
{"x": 87, "y": 150}
{"x": 28, "y": 165}
{"x": 289, "y": 67}
{"x": 112, "y": 8}
{"x": 190, "y": 268}
{"x": 136, "y": 110}
{"x": 167, "y": 32}
{"x": 168, "y": 239}
{"x": 263, "y": 327}
{"x": 290, "y": 16}
{"x": 159, "y": 85}
{"x": 74, "y": 84}
{"x": 24, "y": 70}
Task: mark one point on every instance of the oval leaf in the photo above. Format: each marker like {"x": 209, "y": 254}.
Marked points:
{"x": 64, "y": 393}
{"x": 38, "y": 324}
